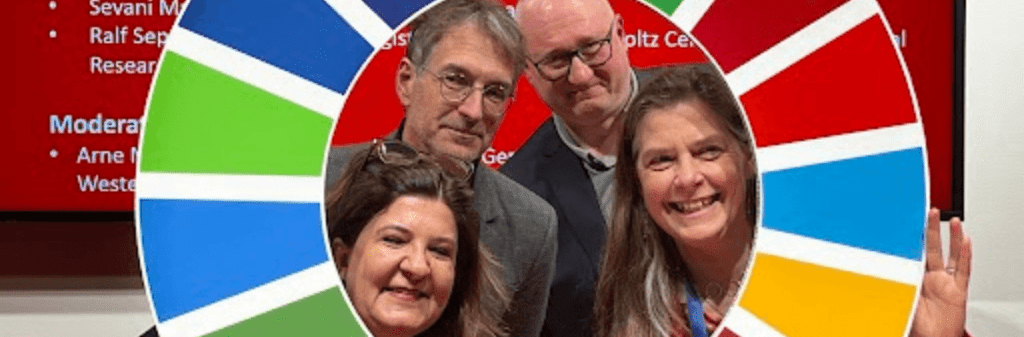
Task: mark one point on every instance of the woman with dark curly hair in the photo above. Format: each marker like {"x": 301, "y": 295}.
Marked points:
{"x": 406, "y": 243}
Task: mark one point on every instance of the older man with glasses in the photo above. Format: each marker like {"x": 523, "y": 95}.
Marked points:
{"x": 455, "y": 83}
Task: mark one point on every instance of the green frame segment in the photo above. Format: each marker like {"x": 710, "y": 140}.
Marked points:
{"x": 194, "y": 120}
{"x": 312, "y": 316}
{"x": 666, "y": 6}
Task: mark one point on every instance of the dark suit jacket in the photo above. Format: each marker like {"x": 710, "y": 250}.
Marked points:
{"x": 547, "y": 166}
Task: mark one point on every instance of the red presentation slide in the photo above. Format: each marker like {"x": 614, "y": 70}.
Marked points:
{"x": 924, "y": 32}
{"x": 82, "y": 69}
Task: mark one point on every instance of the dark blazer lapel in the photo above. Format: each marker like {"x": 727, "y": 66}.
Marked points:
{"x": 574, "y": 192}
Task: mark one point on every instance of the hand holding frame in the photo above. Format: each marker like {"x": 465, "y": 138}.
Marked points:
{"x": 942, "y": 306}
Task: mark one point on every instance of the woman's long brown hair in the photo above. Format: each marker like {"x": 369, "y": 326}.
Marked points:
{"x": 640, "y": 290}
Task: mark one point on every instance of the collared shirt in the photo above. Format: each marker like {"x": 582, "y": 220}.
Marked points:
{"x": 600, "y": 169}
{"x": 474, "y": 165}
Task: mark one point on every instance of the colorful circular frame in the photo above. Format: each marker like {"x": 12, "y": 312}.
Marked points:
{"x": 230, "y": 186}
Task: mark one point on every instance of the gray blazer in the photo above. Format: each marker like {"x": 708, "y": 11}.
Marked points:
{"x": 516, "y": 225}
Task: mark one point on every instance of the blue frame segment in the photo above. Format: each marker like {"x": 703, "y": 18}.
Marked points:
{"x": 304, "y": 37}
{"x": 823, "y": 202}
{"x": 393, "y": 12}
{"x": 201, "y": 252}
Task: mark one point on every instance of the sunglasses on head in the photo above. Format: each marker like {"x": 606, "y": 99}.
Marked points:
{"x": 396, "y": 152}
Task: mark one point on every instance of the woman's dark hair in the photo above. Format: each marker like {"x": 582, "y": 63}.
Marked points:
{"x": 640, "y": 289}
{"x": 368, "y": 185}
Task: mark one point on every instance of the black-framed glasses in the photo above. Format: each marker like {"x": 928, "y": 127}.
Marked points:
{"x": 396, "y": 152}
{"x": 457, "y": 86}
{"x": 593, "y": 54}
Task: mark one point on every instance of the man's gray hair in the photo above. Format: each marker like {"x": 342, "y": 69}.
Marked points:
{"x": 490, "y": 16}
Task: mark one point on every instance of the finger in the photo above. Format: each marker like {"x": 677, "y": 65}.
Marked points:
{"x": 963, "y": 275}
{"x": 933, "y": 242}
{"x": 956, "y": 237}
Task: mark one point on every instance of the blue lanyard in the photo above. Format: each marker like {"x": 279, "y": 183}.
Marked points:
{"x": 696, "y": 312}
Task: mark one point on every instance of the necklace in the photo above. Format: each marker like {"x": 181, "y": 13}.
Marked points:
{"x": 724, "y": 293}
{"x": 716, "y": 290}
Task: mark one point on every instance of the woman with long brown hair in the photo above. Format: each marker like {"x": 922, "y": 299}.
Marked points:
{"x": 685, "y": 215}
{"x": 684, "y": 209}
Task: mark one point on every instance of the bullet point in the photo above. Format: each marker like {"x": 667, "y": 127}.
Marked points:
{"x": 53, "y": 153}
{"x": 53, "y": 5}
{"x": 53, "y": 34}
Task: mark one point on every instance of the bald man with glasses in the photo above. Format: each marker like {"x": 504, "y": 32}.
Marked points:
{"x": 580, "y": 68}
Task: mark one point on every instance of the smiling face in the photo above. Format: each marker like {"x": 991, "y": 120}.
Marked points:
{"x": 400, "y": 271}
{"x": 587, "y": 95}
{"x": 692, "y": 174}
{"x": 462, "y": 129}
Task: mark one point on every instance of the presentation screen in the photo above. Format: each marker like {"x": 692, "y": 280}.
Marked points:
{"x": 81, "y": 70}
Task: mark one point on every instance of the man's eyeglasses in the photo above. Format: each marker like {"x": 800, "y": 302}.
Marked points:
{"x": 456, "y": 86}
{"x": 593, "y": 54}
{"x": 395, "y": 152}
